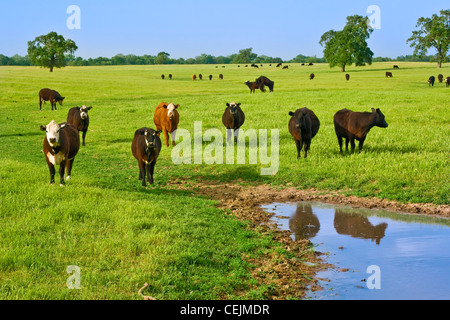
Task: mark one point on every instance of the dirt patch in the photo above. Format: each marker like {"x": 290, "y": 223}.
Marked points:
{"x": 290, "y": 277}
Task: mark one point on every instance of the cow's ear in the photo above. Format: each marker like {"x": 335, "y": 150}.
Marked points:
{"x": 373, "y": 110}
{"x": 176, "y": 107}
{"x": 238, "y": 104}
{"x": 158, "y": 132}
{"x": 291, "y": 113}
{"x": 62, "y": 98}
{"x": 62, "y": 126}
{"x": 141, "y": 132}
{"x": 378, "y": 110}
{"x": 89, "y": 108}
{"x": 227, "y": 104}
{"x": 43, "y": 128}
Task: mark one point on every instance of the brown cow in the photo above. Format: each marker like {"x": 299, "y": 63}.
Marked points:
{"x": 388, "y": 74}
{"x": 303, "y": 126}
{"x": 166, "y": 119}
{"x": 447, "y": 81}
{"x": 356, "y": 125}
{"x": 347, "y": 77}
{"x": 80, "y": 119}
{"x": 170, "y": 76}
{"x": 194, "y": 77}
{"x": 146, "y": 147}
{"x": 311, "y": 76}
{"x": 253, "y": 86}
{"x": 50, "y": 95}
{"x": 221, "y": 76}
{"x": 440, "y": 78}
{"x": 233, "y": 118}
{"x": 61, "y": 145}
{"x": 200, "y": 76}
{"x": 162, "y": 76}
{"x": 264, "y": 81}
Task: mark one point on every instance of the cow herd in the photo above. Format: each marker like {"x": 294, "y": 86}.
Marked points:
{"x": 432, "y": 79}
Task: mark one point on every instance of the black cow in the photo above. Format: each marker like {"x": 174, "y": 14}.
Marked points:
{"x": 80, "y": 119}
{"x": 431, "y": 81}
{"x": 303, "y": 126}
{"x": 233, "y": 118}
{"x": 146, "y": 147}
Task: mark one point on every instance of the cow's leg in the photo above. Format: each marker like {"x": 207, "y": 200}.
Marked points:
{"x": 340, "y": 143}
{"x": 307, "y": 145}
{"x": 51, "y": 167}
{"x": 236, "y": 135}
{"x": 69, "y": 169}
{"x": 229, "y": 134}
{"x": 84, "y": 137}
{"x": 352, "y": 143}
{"x": 140, "y": 170}
{"x": 299, "y": 148}
{"x": 361, "y": 142}
{"x": 143, "y": 173}
{"x": 151, "y": 169}
{"x": 62, "y": 170}
{"x": 166, "y": 137}
{"x": 40, "y": 103}
{"x": 347, "y": 140}
{"x": 173, "y": 137}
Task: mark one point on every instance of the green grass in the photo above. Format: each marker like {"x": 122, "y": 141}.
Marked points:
{"x": 122, "y": 235}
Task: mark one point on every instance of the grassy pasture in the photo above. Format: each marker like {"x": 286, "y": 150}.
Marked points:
{"x": 122, "y": 235}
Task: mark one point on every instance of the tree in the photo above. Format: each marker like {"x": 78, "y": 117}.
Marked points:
{"x": 162, "y": 58}
{"x": 434, "y": 33}
{"x": 245, "y": 56}
{"x": 349, "y": 45}
{"x": 49, "y": 50}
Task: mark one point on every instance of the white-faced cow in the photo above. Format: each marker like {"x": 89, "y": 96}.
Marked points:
{"x": 303, "y": 126}
{"x": 79, "y": 117}
{"x": 61, "y": 145}
{"x": 356, "y": 125}
{"x": 166, "y": 120}
{"x": 146, "y": 147}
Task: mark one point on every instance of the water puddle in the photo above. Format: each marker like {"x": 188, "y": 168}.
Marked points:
{"x": 376, "y": 254}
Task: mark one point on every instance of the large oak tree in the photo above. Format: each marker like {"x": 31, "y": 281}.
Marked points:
{"x": 347, "y": 46}
{"x": 49, "y": 51}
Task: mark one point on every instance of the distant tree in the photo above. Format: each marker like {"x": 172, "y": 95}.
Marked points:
{"x": 434, "y": 33}
{"x": 245, "y": 56}
{"x": 349, "y": 45}
{"x": 162, "y": 58}
{"x": 49, "y": 50}
{"x": 118, "y": 59}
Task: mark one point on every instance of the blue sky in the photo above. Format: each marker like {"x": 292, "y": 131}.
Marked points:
{"x": 188, "y": 28}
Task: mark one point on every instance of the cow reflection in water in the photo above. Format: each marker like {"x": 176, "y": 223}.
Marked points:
{"x": 305, "y": 224}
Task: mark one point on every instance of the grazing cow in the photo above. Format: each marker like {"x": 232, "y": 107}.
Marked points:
{"x": 303, "y": 64}
{"x": 163, "y": 76}
{"x": 396, "y": 66}
{"x": 347, "y": 77}
{"x": 252, "y": 86}
{"x": 447, "y": 81}
{"x": 210, "y": 76}
{"x": 200, "y": 76}
{"x": 194, "y": 77}
{"x": 233, "y": 118}
{"x": 310, "y": 64}
{"x": 166, "y": 119}
{"x": 170, "y": 76}
{"x": 285, "y": 67}
{"x": 388, "y": 74}
{"x": 221, "y": 76}
{"x": 61, "y": 145}
{"x": 303, "y": 126}
{"x": 80, "y": 119}
{"x": 356, "y": 125}
{"x": 311, "y": 76}
{"x": 279, "y": 65}
{"x": 440, "y": 78}
{"x": 146, "y": 147}
{"x": 50, "y": 95}
{"x": 431, "y": 81}
{"x": 264, "y": 81}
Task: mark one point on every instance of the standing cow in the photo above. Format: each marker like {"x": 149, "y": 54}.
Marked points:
{"x": 61, "y": 145}
{"x": 303, "y": 126}
{"x": 388, "y": 74}
{"x": 166, "y": 120}
{"x": 440, "y": 78}
{"x": 431, "y": 81}
{"x": 233, "y": 118}
{"x": 356, "y": 125}
{"x": 447, "y": 81}
{"x": 79, "y": 117}
{"x": 146, "y": 147}
{"x": 50, "y": 95}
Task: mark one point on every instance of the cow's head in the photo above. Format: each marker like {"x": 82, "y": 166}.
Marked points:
{"x": 380, "y": 120}
{"x": 52, "y": 133}
{"x": 60, "y": 100}
{"x": 299, "y": 118}
{"x": 150, "y": 137}
{"x": 171, "y": 109}
{"x": 233, "y": 107}
{"x": 84, "y": 112}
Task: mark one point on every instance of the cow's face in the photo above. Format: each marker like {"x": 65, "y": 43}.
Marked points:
{"x": 233, "y": 107}
{"x": 84, "y": 112}
{"x": 60, "y": 100}
{"x": 380, "y": 120}
{"x": 299, "y": 118}
{"x": 171, "y": 110}
{"x": 52, "y": 133}
{"x": 150, "y": 138}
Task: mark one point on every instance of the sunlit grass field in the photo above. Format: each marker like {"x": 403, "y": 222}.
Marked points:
{"x": 122, "y": 235}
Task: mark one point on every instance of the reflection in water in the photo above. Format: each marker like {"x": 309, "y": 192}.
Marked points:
{"x": 305, "y": 224}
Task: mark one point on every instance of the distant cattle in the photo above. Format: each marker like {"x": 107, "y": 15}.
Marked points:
{"x": 447, "y": 81}
{"x": 310, "y": 64}
{"x": 388, "y": 74}
{"x": 233, "y": 118}
{"x": 254, "y": 66}
{"x": 264, "y": 81}
{"x": 61, "y": 145}
{"x": 303, "y": 64}
{"x": 210, "y": 76}
{"x": 79, "y": 117}
{"x": 396, "y": 66}
{"x": 440, "y": 78}
{"x": 347, "y": 77}
{"x": 253, "y": 86}
{"x": 50, "y": 95}
{"x": 285, "y": 67}
{"x": 279, "y": 65}
{"x": 146, "y": 147}
{"x": 163, "y": 76}
{"x": 303, "y": 126}
{"x": 311, "y": 76}
{"x": 170, "y": 76}
{"x": 431, "y": 81}
{"x": 194, "y": 77}
{"x": 356, "y": 125}
{"x": 166, "y": 119}
{"x": 221, "y": 76}
{"x": 200, "y": 76}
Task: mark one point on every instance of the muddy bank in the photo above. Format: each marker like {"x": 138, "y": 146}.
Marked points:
{"x": 290, "y": 277}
